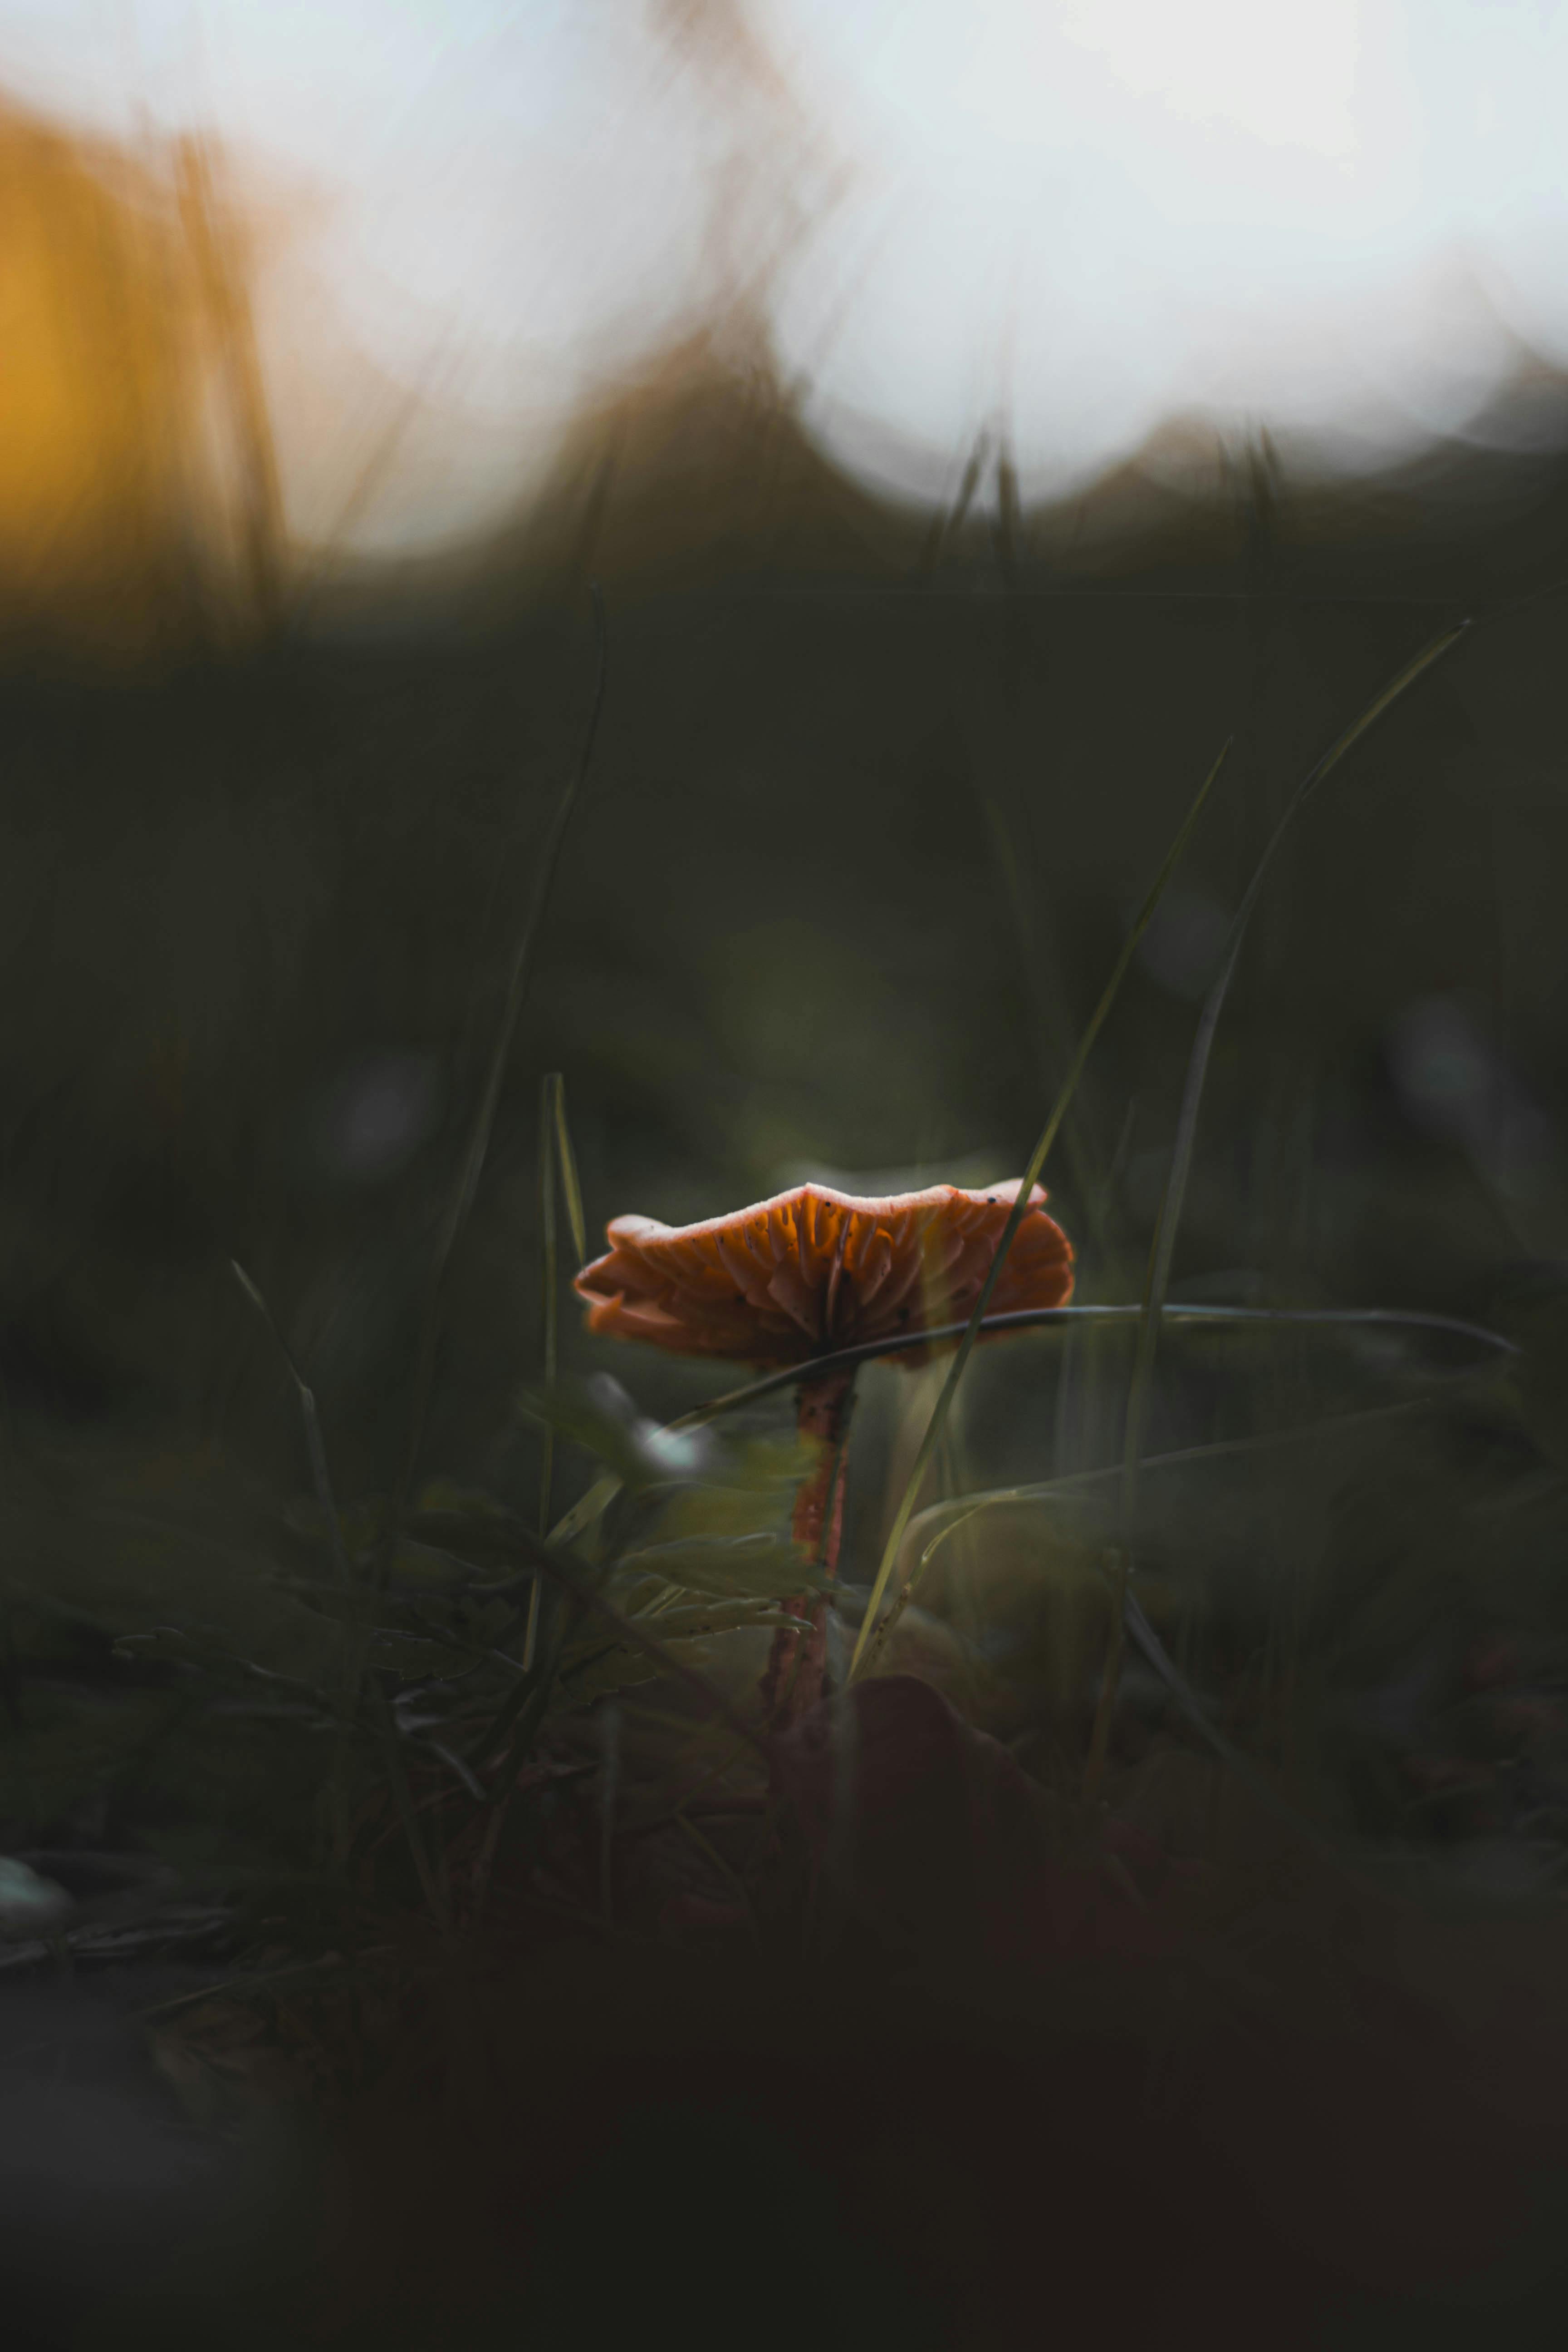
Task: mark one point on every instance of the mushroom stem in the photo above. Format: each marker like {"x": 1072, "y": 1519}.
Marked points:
{"x": 796, "y": 1662}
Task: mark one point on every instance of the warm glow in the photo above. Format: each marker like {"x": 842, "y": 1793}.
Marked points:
{"x": 91, "y": 362}
{"x": 123, "y": 458}
{"x": 1071, "y": 218}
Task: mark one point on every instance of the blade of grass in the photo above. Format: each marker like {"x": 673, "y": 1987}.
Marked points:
{"x": 355, "y": 1641}
{"x": 571, "y": 1189}
{"x": 397, "y": 1778}
{"x": 597, "y": 1500}
{"x": 1051, "y": 1036}
{"x": 1038, "y": 1159}
{"x": 737, "y": 1884}
{"x": 1032, "y": 1319}
{"x": 1137, "y": 1625}
{"x": 1174, "y": 1199}
{"x": 518, "y": 1720}
{"x": 962, "y": 1510}
{"x": 537, "y": 1554}
{"x": 315, "y": 1445}
{"x": 1165, "y": 1665}
{"x": 473, "y": 1161}
{"x": 555, "y": 1157}
{"x": 1005, "y": 531}
{"x": 948, "y": 520}
{"x": 1168, "y": 1220}
{"x": 355, "y": 1638}
{"x": 548, "y": 1344}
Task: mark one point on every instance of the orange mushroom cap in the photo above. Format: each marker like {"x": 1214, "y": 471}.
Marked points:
{"x": 816, "y": 1270}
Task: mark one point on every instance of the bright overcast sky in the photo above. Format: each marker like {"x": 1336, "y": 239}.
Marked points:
{"x": 1345, "y": 218}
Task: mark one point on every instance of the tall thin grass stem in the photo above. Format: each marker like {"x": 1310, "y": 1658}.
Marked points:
{"x": 1174, "y": 1199}
{"x": 1038, "y": 1159}
{"x": 948, "y": 522}
{"x": 354, "y": 1640}
{"x": 1048, "y": 1038}
{"x": 592, "y": 1505}
{"x": 549, "y": 1312}
{"x": 555, "y": 1161}
{"x": 571, "y": 1188}
{"x": 472, "y": 1166}
{"x": 965, "y": 1508}
{"x": 315, "y": 1446}
{"x": 397, "y": 1778}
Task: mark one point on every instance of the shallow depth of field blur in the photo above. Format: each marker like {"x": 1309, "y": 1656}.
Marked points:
{"x": 298, "y": 656}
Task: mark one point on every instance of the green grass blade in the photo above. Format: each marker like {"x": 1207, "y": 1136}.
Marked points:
{"x": 571, "y": 1189}
{"x": 931, "y": 1527}
{"x": 315, "y": 1445}
{"x": 549, "y": 1340}
{"x": 355, "y": 1643}
{"x": 560, "y": 1570}
{"x": 1192, "y": 1707}
{"x": 1174, "y": 1199}
{"x": 1171, "y": 1206}
{"x": 1032, "y": 1319}
{"x": 549, "y": 1303}
{"x": 597, "y": 1500}
{"x": 584, "y": 1514}
{"x": 1050, "y": 1040}
{"x": 943, "y": 1405}
{"x": 473, "y": 1162}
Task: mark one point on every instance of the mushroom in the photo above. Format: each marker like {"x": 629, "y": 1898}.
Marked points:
{"x": 805, "y": 1275}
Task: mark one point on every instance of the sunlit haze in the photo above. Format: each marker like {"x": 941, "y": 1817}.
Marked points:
{"x": 1069, "y": 222}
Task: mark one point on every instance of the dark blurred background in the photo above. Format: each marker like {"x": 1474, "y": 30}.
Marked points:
{"x": 880, "y": 785}
{"x": 869, "y": 817}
